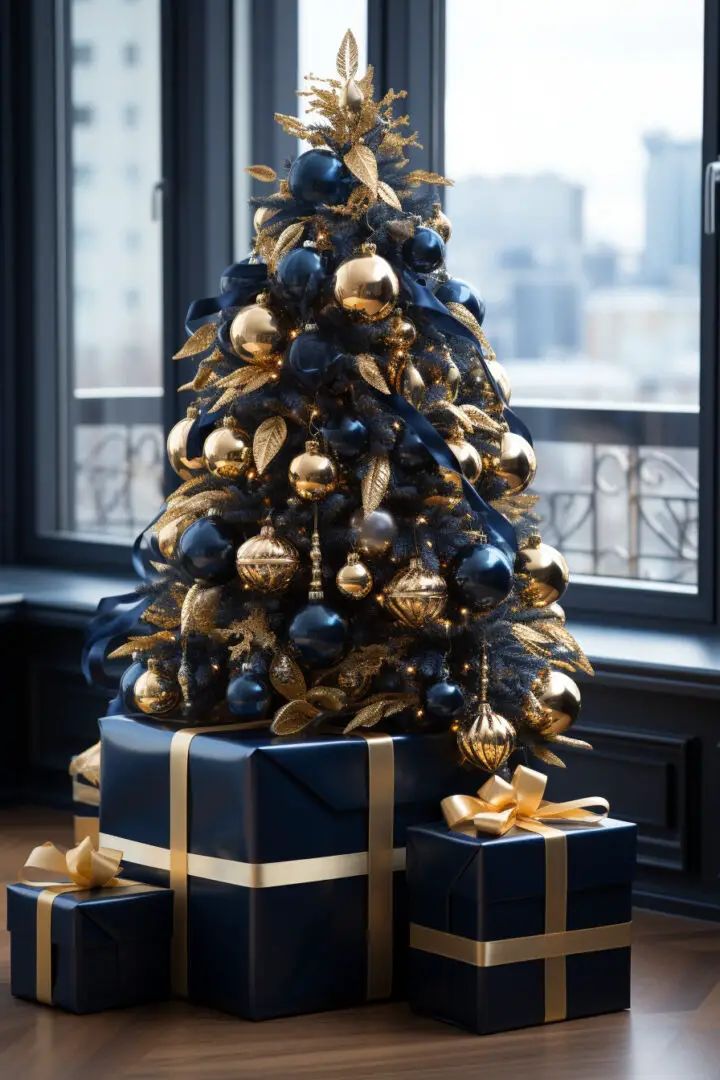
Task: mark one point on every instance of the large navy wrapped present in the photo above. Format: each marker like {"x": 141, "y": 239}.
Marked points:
{"x": 286, "y": 855}
{"x": 86, "y": 940}
{"x": 520, "y": 914}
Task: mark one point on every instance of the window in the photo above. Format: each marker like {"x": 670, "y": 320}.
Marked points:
{"x": 83, "y": 115}
{"x": 130, "y": 114}
{"x": 82, "y": 52}
{"x": 131, "y": 53}
{"x": 577, "y": 158}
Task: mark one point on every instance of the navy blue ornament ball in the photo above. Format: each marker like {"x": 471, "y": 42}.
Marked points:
{"x": 445, "y": 700}
{"x": 301, "y": 274}
{"x": 410, "y": 450}
{"x": 455, "y": 291}
{"x": 127, "y": 684}
{"x": 318, "y": 176}
{"x": 484, "y": 576}
{"x": 248, "y": 696}
{"x": 313, "y": 360}
{"x": 424, "y": 250}
{"x": 346, "y": 436}
{"x": 206, "y": 551}
{"x": 318, "y": 634}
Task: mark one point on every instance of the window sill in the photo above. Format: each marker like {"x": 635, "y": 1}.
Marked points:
{"x": 47, "y": 595}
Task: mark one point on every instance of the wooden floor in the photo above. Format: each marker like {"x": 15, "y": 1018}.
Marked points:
{"x": 672, "y": 1031}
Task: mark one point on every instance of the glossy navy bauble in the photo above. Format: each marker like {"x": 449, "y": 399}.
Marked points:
{"x": 456, "y": 291}
{"x": 346, "y": 436}
{"x": 300, "y": 274}
{"x": 313, "y": 360}
{"x": 318, "y": 176}
{"x": 424, "y": 251}
{"x": 206, "y": 551}
{"x": 127, "y": 684}
{"x": 445, "y": 700}
{"x": 318, "y": 634}
{"x": 484, "y": 576}
{"x": 410, "y": 450}
{"x": 248, "y": 696}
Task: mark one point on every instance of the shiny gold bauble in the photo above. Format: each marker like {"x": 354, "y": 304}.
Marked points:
{"x": 490, "y": 740}
{"x": 401, "y": 333}
{"x": 227, "y": 452}
{"x": 261, "y": 217}
{"x": 441, "y": 223}
{"x": 312, "y": 474}
{"x": 556, "y": 612}
{"x": 156, "y": 692}
{"x": 500, "y": 376}
{"x": 467, "y": 457}
{"x": 374, "y": 532}
{"x": 267, "y": 562}
{"x": 255, "y": 333}
{"x": 409, "y": 382}
{"x": 169, "y": 536}
{"x": 544, "y": 572}
{"x": 560, "y": 700}
{"x": 517, "y": 464}
{"x": 367, "y": 286}
{"x": 354, "y": 579}
{"x": 177, "y": 439}
{"x": 416, "y": 596}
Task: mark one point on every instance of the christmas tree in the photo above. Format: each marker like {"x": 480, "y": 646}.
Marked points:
{"x": 352, "y": 543}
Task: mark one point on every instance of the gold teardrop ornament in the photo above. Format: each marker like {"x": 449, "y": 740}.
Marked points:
{"x": 416, "y": 596}
{"x": 489, "y": 741}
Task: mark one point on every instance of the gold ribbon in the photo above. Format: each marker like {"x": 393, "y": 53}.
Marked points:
{"x": 381, "y": 816}
{"x": 83, "y": 867}
{"x": 498, "y": 807}
{"x": 87, "y": 765}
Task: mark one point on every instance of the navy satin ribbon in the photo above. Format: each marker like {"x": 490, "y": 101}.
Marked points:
{"x": 498, "y": 529}
{"x": 240, "y": 284}
{"x": 428, "y": 305}
{"x": 109, "y": 624}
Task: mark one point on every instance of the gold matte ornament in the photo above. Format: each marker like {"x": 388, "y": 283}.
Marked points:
{"x": 517, "y": 464}
{"x": 416, "y": 596}
{"x": 401, "y": 333}
{"x": 255, "y": 334}
{"x": 313, "y": 474}
{"x": 544, "y": 571}
{"x": 467, "y": 457}
{"x": 156, "y": 693}
{"x": 266, "y": 562}
{"x": 560, "y": 699}
{"x": 354, "y": 579}
{"x": 177, "y": 439}
{"x": 366, "y": 285}
{"x": 226, "y": 451}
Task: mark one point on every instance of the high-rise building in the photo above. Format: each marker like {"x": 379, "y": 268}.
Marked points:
{"x": 672, "y": 210}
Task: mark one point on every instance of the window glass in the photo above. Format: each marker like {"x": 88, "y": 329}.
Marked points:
{"x": 320, "y": 30}
{"x": 573, "y": 134}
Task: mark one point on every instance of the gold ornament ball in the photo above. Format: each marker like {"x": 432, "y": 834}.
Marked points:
{"x": 169, "y": 535}
{"x": 313, "y": 474}
{"x": 261, "y": 217}
{"x": 546, "y": 574}
{"x": 374, "y": 532}
{"x": 354, "y": 579}
{"x": 490, "y": 740}
{"x": 367, "y": 286}
{"x": 255, "y": 333}
{"x": 177, "y": 454}
{"x": 441, "y": 223}
{"x": 401, "y": 333}
{"x": 559, "y": 696}
{"x": 500, "y": 376}
{"x": 227, "y": 452}
{"x": 156, "y": 693}
{"x": 266, "y": 562}
{"x": 517, "y": 464}
{"x": 416, "y": 596}
{"x": 468, "y": 458}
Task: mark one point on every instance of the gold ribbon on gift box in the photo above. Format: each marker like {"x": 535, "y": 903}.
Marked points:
{"x": 83, "y": 867}
{"x": 498, "y": 807}
{"x": 85, "y": 772}
{"x": 379, "y": 861}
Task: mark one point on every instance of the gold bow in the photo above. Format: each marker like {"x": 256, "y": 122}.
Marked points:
{"x": 500, "y": 805}
{"x": 87, "y": 765}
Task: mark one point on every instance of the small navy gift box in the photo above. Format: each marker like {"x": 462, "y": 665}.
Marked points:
{"x": 480, "y": 956}
{"x": 107, "y": 947}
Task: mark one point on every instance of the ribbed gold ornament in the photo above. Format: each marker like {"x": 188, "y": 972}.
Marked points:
{"x": 156, "y": 692}
{"x": 354, "y": 579}
{"x": 544, "y": 572}
{"x": 468, "y": 458}
{"x": 560, "y": 701}
{"x": 366, "y": 285}
{"x": 313, "y": 474}
{"x": 267, "y": 562}
{"x": 255, "y": 333}
{"x": 227, "y": 451}
{"x": 517, "y": 464}
{"x": 177, "y": 439}
{"x": 490, "y": 739}
{"x": 416, "y": 596}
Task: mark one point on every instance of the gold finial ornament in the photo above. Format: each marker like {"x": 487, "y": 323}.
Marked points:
{"x": 313, "y": 474}
{"x": 177, "y": 453}
{"x": 490, "y": 739}
{"x": 354, "y": 579}
{"x": 468, "y": 458}
{"x": 366, "y": 285}
{"x": 544, "y": 572}
{"x": 560, "y": 701}
{"x": 156, "y": 692}
{"x": 266, "y": 562}
{"x": 517, "y": 464}
{"x": 316, "y": 586}
{"x": 255, "y": 333}
{"x": 227, "y": 451}
{"x": 416, "y": 596}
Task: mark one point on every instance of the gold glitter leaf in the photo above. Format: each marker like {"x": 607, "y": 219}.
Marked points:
{"x": 286, "y": 241}
{"x": 372, "y": 714}
{"x": 461, "y": 313}
{"x": 346, "y": 62}
{"x": 375, "y": 483}
{"x": 292, "y": 126}
{"x": 327, "y": 698}
{"x": 286, "y": 677}
{"x": 575, "y": 744}
{"x": 547, "y": 756}
{"x": 185, "y": 489}
{"x": 422, "y": 176}
{"x": 293, "y": 717}
{"x": 261, "y": 172}
{"x": 482, "y": 421}
{"x": 144, "y": 643}
{"x": 199, "y": 610}
{"x": 388, "y": 195}
{"x": 267, "y": 441}
{"x": 362, "y": 163}
{"x": 371, "y": 373}
{"x": 198, "y": 342}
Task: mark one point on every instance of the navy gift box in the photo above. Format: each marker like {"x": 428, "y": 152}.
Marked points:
{"x": 480, "y": 891}
{"x": 109, "y": 947}
{"x": 279, "y": 880}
